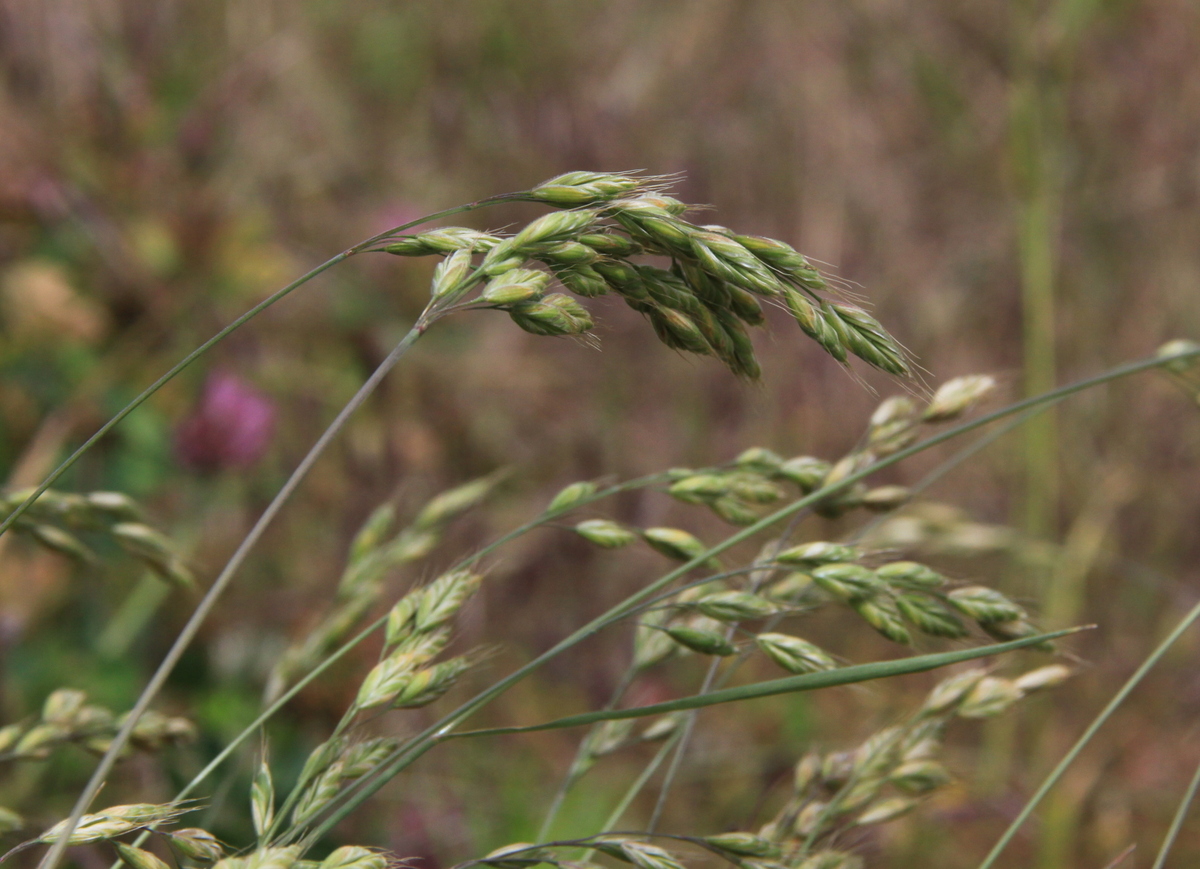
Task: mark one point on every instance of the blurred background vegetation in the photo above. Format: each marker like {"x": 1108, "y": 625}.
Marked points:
{"x": 1014, "y": 185}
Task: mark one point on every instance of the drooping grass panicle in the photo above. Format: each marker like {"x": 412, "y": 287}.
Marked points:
{"x": 700, "y": 305}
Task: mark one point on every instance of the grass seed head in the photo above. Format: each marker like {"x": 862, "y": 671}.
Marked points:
{"x": 385, "y": 681}
{"x": 571, "y": 496}
{"x": 807, "y": 772}
{"x": 37, "y": 742}
{"x": 898, "y": 408}
{"x": 985, "y": 605}
{"x": 649, "y": 856}
{"x": 950, "y": 692}
{"x": 847, "y": 582}
{"x": 9, "y": 734}
{"x": 754, "y": 488}
{"x": 777, "y": 254}
{"x": 887, "y": 810}
{"x": 552, "y": 227}
{"x": 318, "y": 794}
{"x": 136, "y": 858}
{"x": 705, "y": 641}
{"x": 733, "y": 510}
{"x": 735, "y": 606}
{"x": 832, "y": 860}
{"x": 442, "y": 241}
{"x": 990, "y": 696}
{"x": 911, "y": 575}
{"x": 917, "y": 777}
{"x": 955, "y": 397}
{"x": 196, "y": 844}
{"x": 884, "y": 498}
{"x": 362, "y": 757}
{"x": 554, "y": 315}
{"x": 810, "y": 818}
{"x": 699, "y": 488}
{"x": 454, "y": 502}
{"x": 830, "y": 332}
{"x": 807, "y": 472}
{"x": 372, "y": 533}
{"x": 817, "y": 553}
{"x": 605, "y": 533}
{"x": 654, "y": 227}
{"x": 575, "y": 189}
{"x": 354, "y": 857}
{"x": 114, "y": 505}
{"x": 441, "y": 600}
{"x": 566, "y": 254}
{"x": 429, "y": 684}
{"x": 113, "y": 822}
{"x": 661, "y": 727}
{"x": 1050, "y": 676}
{"x": 623, "y": 278}
{"x": 582, "y": 280}
{"x": 520, "y": 855}
{"x": 610, "y": 244}
{"x": 794, "y": 654}
{"x": 881, "y": 614}
{"x": 929, "y": 616}
{"x": 155, "y": 550}
{"x": 674, "y": 543}
{"x": 651, "y": 644}
{"x": 63, "y": 706}
{"x": 1176, "y": 348}
{"x": 450, "y": 273}
{"x": 63, "y": 542}
{"x": 512, "y": 287}
{"x": 760, "y": 460}
{"x": 1014, "y": 629}
{"x": 744, "y": 845}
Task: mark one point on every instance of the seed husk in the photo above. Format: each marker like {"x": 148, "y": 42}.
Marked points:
{"x": 605, "y": 533}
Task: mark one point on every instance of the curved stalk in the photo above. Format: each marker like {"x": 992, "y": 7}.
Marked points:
{"x": 1177, "y": 822}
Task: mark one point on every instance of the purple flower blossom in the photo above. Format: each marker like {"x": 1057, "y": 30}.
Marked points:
{"x": 230, "y": 427}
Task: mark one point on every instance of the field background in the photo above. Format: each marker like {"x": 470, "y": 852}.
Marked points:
{"x": 1015, "y": 186}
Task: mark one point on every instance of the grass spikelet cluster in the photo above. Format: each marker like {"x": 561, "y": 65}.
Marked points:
{"x": 59, "y": 520}
{"x": 712, "y": 290}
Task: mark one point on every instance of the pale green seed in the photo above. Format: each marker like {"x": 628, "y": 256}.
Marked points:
{"x": 604, "y": 533}
{"x": 571, "y": 496}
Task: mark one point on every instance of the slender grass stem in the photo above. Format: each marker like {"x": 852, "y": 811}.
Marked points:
{"x": 685, "y": 738}
{"x": 710, "y": 678}
{"x": 641, "y": 781}
{"x": 572, "y": 776}
{"x": 1177, "y": 822}
{"x": 362, "y": 790}
{"x": 1098, "y": 722}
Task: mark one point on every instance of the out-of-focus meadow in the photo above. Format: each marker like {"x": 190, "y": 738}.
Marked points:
{"x": 1015, "y": 186}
